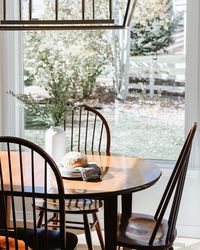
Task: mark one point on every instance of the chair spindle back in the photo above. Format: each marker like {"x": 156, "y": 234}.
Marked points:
{"x": 87, "y": 130}
{"x": 174, "y": 186}
{"x": 27, "y": 173}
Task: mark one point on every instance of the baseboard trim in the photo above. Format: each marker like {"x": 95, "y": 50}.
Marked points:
{"x": 188, "y": 231}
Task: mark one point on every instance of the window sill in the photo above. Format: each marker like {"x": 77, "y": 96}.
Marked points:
{"x": 167, "y": 166}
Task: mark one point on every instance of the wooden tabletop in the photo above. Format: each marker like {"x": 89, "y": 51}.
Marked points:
{"x": 121, "y": 175}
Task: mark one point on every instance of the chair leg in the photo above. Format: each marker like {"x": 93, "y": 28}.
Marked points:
{"x": 87, "y": 232}
{"x": 98, "y": 230}
{"x": 40, "y": 218}
{"x": 55, "y": 220}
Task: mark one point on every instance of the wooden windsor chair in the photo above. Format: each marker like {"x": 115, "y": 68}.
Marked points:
{"x": 140, "y": 231}
{"x": 24, "y": 177}
{"x": 86, "y": 131}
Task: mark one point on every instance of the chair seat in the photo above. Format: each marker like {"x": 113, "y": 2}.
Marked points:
{"x": 53, "y": 238}
{"x": 137, "y": 230}
{"x": 79, "y": 206}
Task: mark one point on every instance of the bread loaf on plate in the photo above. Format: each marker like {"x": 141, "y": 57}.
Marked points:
{"x": 74, "y": 159}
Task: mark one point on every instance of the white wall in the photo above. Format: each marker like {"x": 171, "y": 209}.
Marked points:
{"x": 11, "y": 117}
{"x": 10, "y": 80}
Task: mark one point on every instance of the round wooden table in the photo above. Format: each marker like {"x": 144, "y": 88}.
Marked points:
{"x": 122, "y": 176}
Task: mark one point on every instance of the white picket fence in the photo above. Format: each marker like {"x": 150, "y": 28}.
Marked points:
{"x": 165, "y": 77}
{"x": 161, "y": 77}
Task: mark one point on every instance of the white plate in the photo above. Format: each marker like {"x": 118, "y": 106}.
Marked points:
{"x": 69, "y": 172}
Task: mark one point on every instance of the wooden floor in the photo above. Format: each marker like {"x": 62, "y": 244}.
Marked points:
{"x": 192, "y": 247}
{"x": 82, "y": 243}
{"x": 180, "y": 243}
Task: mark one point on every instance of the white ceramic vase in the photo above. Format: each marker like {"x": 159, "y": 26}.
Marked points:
{"x": 55, "y": 143}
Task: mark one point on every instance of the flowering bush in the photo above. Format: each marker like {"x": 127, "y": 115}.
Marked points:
{"x": 63, "y": 63}
{"x": 73, "y": 57}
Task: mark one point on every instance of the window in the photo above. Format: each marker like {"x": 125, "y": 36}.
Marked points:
{"x": 150, "y": 126}
{"x": 191, "y": 89}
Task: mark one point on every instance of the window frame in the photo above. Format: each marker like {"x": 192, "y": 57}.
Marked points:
{"x": 11, "y": 115}
{"x": 11, "y": 62}
{"x": 192, "y": 88}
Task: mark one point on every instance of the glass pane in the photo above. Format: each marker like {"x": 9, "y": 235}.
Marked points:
{"x": 149, "y": 121}
{"x": 156, "y": 81}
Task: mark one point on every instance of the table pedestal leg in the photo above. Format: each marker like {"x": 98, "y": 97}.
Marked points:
{"x": 110, "y": 223}
{"x": 126, "y": 209}
{"x": 126, "y": 205}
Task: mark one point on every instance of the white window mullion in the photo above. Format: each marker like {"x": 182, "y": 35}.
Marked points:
{"x": 192, "y": 99}
{"x": 11, "y": 118}
{"x": 19, "y": 85}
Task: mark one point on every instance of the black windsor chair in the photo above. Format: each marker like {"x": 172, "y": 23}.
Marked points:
{"x": 140, "y": 231}
{"x": 88, "y": 132}
{"x": 24, "y": 177}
